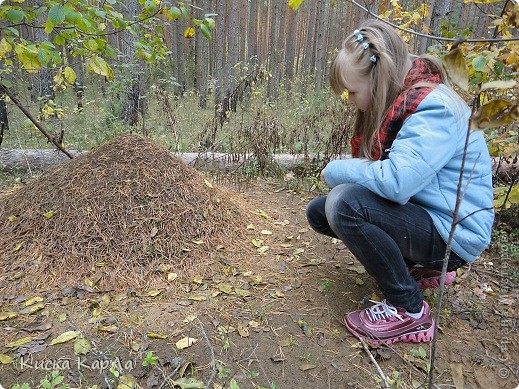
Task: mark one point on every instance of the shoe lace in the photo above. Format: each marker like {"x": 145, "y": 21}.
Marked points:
{"x": 382, "y": 311}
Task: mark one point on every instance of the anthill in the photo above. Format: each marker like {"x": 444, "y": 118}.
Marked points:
{"x": 117, "y": 213}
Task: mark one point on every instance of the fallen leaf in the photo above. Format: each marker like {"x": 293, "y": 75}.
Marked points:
{"x": 65, "y": 337}
{"x": 49, "y": 214}
{"x": 225, "y": 288}
{"x": 153, "y": 293}
{"x": 263, "y": 249}
{"x": 307, "y": 366}
{"x": 127, "y": 381}
{"x": 19, "y": 342}
{"x": 457, "y": 375}
{"x": 5, "y": 359}
{"x": 315, "y": 262}
{"x": 359, "y": 282}
{"x": 265, "y": 232}
{"x": 154, "y": 232}
{"x": 164, "y": 267}
{"x": 111, "y": 328}
{"x": 243, "y": 331}
{"x": 33, "y": 300}
{"x": 7, "y": 315}
{"x": 242, "y": 292}
{"x": 185, "y": 342}
{"x": 189, "y": 383}
{"x": 153, "y": 335}
{"x": 33, "y": 308}
{"x": 172, "y": 276}
{"x": 198, "y": 297}
{"x": 62, "y": 317}
{"x": 82, "y": 346}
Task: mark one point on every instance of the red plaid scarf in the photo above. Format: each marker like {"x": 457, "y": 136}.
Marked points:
{"x": 404, "y": 105}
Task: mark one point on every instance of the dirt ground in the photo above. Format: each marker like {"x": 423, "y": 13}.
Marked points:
{"x": 272, "y": 320}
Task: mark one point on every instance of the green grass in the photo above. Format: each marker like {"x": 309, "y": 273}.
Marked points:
{"x": 98, "y": 122}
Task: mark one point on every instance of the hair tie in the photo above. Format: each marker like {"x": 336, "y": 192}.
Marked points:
{"x": 373, "y": 58}
{"x": 358, "y": 35}
{"x": 365, "y": 45}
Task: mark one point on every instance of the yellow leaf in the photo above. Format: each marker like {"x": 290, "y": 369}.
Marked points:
{"x": 153, "y": 335}
{"x": 33, "y": 308}
{"x": 265, "y": 232}
{"x": 49, "y": 214}
{"x": 198, "y": 297}
{"x": 70, "y": 75}
{"x": 110, "y": 329}
{"x": 127, "y": 381}
{"x": 19, "y": 342}
{"x": 82, "y": 346}
{"x": 164, "y": 267}
{"x": 189, "y": 32}
{"x": 153, "y": 293}
{"x": 225, "y": 288}
{"x": 62, "y": 317}
{"x": 98, "y": 65}
{"x": 208, "y": 183}
{"x": 185, "y": 342}
{"x": 33, "y": 300}
{"x": 243, "y": 331}
{"x": 65, "y": 337}
{"x": 13, "y": 218}
{"x": 495, "y": 113}
{"x": 5, "y": 359}
{"x": 456, "y": 68}
{"x": 294, "y": 4}
{"x": 172, "y": 276}
{"x": 257, "y": 242}
{"x": 7, "y": 315}
{"x": 19, "y": 246}
{"x": 198, "y": 242}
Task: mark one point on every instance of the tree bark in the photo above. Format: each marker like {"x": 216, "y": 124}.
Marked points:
{"x": 132, "y": 78}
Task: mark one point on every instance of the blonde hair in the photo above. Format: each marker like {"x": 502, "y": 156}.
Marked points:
{"x": 386, "y": 71}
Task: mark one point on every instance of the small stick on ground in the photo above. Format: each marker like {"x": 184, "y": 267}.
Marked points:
{"x": 209, "y": 383}
{"x": 380, "y": 372}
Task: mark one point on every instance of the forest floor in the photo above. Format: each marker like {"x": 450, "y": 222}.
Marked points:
{"x": 273, "y": 321}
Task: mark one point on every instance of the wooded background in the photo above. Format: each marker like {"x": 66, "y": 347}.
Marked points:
{"x": 253, "y": 41}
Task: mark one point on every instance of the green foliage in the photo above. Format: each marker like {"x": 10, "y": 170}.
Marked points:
{"x": 151, "y": 359}
{"x": 84, "y": 29}
{"x": 52, "y": 381}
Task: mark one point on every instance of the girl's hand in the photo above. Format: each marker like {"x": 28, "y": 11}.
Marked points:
{"x": 322, "y": 177}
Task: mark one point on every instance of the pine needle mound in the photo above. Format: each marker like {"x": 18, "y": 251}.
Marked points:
{"x": 121, "y": 213}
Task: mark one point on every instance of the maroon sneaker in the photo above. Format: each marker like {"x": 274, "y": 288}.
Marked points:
{"x": 428, "y": 278}
{"x": 385, "y": 324}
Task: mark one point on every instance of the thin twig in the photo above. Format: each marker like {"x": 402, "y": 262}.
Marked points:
{"x": 380, "y": 372}
{"x": 35, "y": 122}
{"x": 209, "y": 383}
{"x": 455, "y": 221}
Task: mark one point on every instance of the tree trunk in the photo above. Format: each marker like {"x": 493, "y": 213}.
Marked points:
{"x": 202, "y": 60}
{"x": 320, "y": 44}
{"x": 132, "y": 79}
{"x": 274, "y": 62}
{"x": 220, "y": 60}
{"x": 291, "y": 40}
{"x": 4, "y": 121}
{"x": 252, "y": 37}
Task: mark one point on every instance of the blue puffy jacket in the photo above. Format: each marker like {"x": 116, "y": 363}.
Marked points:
{"x": 423, "y": 167}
